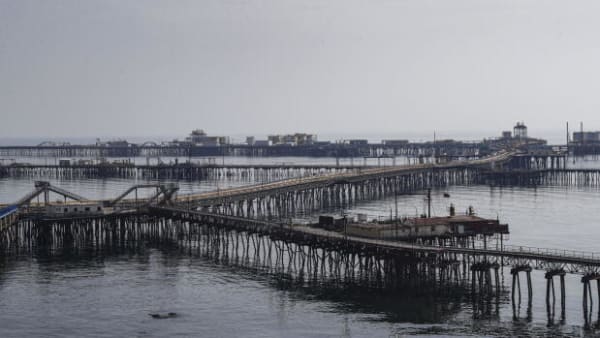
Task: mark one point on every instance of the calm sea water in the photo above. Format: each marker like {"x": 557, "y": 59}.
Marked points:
{"x": 111, "y": 294}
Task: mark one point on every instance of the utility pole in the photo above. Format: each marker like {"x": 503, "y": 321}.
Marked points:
{"x": 396, "y": 204}
{"x": 434, "y": 150}
{"x": 429, "y": 203}
{"x": 566, "y": 159}
{"x": 345, "y": 226}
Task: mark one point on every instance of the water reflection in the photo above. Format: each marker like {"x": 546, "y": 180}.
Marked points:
{"x": 431, "y": 304}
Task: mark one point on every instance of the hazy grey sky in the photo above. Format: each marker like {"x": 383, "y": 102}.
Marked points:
{"x": 87, "y": 68}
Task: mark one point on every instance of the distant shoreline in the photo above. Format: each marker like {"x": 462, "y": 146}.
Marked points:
{"x": 553, "y": 137}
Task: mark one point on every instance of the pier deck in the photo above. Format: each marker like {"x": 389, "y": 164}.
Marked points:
{"x": 572, "y": 261}
{"x": 326, "y": 180}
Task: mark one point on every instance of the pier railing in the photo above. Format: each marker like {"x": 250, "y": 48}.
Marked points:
{"x": 520, "y": 250}
{"x": 516, "y": 251}
{"x": 562, "y": 253}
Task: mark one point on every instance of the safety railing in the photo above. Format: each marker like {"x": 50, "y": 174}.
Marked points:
{"x": 527, "y": 250}
{"x": 561, "y": 253}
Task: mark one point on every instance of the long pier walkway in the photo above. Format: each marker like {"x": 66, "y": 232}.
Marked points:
{"x": 368, "y": 183}
{"x": 571, "y": 261}
{"x": 177, "y": 171}
{"x": 332, "y": 179}
{"x": 386, "y": 259}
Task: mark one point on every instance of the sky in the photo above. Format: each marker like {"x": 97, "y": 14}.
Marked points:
{"x": 238, "y": 67}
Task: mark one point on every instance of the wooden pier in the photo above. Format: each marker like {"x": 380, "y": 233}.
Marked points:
{"x": 180, "y": 171}
{"x": 548, "y": 177}
{"x": 253, "y": 221}
{"x": 453, "y": 149}
{"x": 308, "y": 253}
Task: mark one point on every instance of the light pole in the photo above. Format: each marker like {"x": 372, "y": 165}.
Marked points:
{"x": 345, "y": 225}
{"x": 396, "y": 205}
{"x": 429, "y": 203}
{"x": 346, "y": 228}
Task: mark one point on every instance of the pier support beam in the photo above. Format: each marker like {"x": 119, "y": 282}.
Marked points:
{"x": 588, "y": 303}
{"x": 551, "y": 294}
{"x": 516, "y": 289}
{"x": 482, "y": 279}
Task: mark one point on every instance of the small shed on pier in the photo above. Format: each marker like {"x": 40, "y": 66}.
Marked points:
{"x": 450, "y": 226}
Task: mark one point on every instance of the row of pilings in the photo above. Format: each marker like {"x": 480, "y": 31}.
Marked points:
{"x": 316, "y": 150}
{"x": 566, "y": 177}
{"x": 537, "y": 162}
{"x": 562, "y": 177}
{"x": 280, "y": 204}
{"x": 513, "y": 174}
{"x": 172, "y": 172}
{"x": 306, "y": 260}
{"x": 318, "y": 261}
{"x": 191, "y": 171}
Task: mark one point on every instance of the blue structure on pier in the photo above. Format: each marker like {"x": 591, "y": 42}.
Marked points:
{"x": 7, "y": 211}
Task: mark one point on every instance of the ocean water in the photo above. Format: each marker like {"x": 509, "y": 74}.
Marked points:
{"x": 111, "y": 293}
